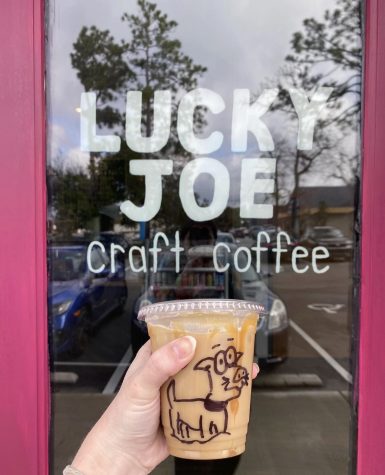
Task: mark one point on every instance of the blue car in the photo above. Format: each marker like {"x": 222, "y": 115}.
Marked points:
{"x": 79, "y": 299}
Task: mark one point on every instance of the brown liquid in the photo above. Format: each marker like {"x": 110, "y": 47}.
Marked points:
{"x": 205, "y": 408}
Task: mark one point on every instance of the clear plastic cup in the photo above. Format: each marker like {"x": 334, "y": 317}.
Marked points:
{"x": 205, "y": 408}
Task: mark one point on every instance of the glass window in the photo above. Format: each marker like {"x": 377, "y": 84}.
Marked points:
{"x": 185, "y": 136}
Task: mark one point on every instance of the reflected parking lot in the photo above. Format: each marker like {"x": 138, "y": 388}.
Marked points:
{"x": 208, "y": 165}
{"x": 330, "y": 330}
{"x": 305, "y": 392}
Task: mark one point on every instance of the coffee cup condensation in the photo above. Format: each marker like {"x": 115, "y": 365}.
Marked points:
{"x": 205, "y": 408}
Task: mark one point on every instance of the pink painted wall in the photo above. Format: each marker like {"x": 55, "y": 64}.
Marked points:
{"x": 371, "y": 402}
{"x": 24, "y": 393}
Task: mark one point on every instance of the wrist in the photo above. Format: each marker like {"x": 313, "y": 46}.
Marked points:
{"x": 82, "y": 466}
{"x": 97, "y": 458}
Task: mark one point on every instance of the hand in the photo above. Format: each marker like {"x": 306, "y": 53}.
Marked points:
{"x": 128, "y": 438}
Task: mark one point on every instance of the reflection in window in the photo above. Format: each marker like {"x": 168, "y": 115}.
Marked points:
{"x": 297, "y": 77}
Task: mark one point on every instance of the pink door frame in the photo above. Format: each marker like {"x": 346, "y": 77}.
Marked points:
{"x": 371, "y": 384}
{"x": 24, "y": 395}
{"x": 24, "y": 372}
{"x": 24, "y": 376}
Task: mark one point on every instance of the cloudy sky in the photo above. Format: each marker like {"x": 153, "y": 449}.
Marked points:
{"x": 241, "y": 42}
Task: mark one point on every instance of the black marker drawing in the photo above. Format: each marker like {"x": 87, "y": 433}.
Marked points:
{"x": 225, "y": 382}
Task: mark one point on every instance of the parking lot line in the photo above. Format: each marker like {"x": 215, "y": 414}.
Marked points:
{"x": 64, "y": 377}
{"x": 325, "y": 355}
{"x": 118, "y": 373}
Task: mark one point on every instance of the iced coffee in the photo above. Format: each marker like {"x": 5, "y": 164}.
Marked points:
{"x": 205, "y": 407}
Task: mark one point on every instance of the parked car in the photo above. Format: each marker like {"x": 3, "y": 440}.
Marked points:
{"x": 79, "y": 299}
{"x": 225, "y": 237}
{"x": 268, "y": 228}
{"x": 198, "y": 279}
{"x": 273, "y": 232}
{"x": 109, "y": 237}
{"x": 338, "y": 245}
{"x": 239, "y": 233}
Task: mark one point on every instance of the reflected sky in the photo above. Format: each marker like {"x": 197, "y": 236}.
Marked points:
{"x": 242, "y": 44}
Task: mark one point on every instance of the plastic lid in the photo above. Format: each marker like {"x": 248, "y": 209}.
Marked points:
{"x": 172, "y": 308}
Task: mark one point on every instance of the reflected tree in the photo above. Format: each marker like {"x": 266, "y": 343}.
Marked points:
{"x": 325, "y": 53}
{"x": 158, "y": 62}
{"x": 71, "y": 199}
{"x": 101, "y": 68}
{"x": 329, "y": 52}
{"x": 150, "y": 58}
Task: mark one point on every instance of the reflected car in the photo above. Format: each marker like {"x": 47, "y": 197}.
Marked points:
{"x": 109, "y": 237}
{"x": 269, "y": 229}
{"x": 225, "y": 237}
{"x": 272, "y": 232}
{"x": 198, "y": 279}
{"x": 338, "y": 245}
{"x": 79, "y": 299}
{"x": 239, "y": 234}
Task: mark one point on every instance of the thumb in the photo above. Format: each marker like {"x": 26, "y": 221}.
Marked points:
{"x": 162, "y": 364}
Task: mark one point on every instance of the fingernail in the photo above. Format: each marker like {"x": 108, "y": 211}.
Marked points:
{"x": 184, "y": 346}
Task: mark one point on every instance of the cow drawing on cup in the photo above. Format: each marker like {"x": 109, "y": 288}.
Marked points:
{"x": 202, "y": 419}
